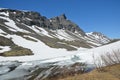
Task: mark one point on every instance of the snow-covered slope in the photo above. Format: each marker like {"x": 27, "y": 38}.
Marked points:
{"x": 47, "y": 61}
{"x": 57, "y": 32}
{"x": 23, "y": 29}
{"x": 45, "y": 43}
{"x": 85, "y": 55}
{"x": 98, "y": 37}
{"x": 5, "y": 48}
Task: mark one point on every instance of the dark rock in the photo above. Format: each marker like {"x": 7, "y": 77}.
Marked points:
{"x": 62, "y": 17}
{"x": 61, "y": 22}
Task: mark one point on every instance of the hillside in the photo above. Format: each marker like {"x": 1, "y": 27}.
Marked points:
{"x": 26, "y": 28}
{"x": 33, "y": 47}
{"x": 41, "y": 67}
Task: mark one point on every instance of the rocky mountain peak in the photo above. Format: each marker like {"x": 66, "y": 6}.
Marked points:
{"x": 57, "y": 32}
{"x": 34, "y": 18}
{"x": 101, "y": 38}
{"x": 98, "y": 34}
{"x": 61, "y": 22}
{"x": 62, "y": 17}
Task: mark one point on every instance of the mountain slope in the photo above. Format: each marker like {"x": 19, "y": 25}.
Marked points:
{"x": 98, "y": 37}
{"x": 41, "y": 67}
{"x": 26, "y": 28}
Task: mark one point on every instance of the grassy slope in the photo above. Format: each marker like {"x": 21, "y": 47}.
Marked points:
{"x": 111, "y": 73}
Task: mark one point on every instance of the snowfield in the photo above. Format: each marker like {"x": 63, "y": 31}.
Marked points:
{"x": 4, "y": 48}
{"x": 46, "y": 54}
{"x": 40, "y": 50}
{"x": 3, "y": 13}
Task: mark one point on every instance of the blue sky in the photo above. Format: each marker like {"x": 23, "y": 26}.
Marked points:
{"x": 91, "y": 15}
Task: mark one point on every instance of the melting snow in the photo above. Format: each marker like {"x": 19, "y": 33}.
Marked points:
{"x": 29, "y": 19}
{"x": 1, "y": 31}
{"x": 39, "y": 30}
{"x": 3, "y": 13}
{"x": 40, "y": 50}
{"x": 4, "y": 70}
{"x": 43, "y": 31}
{"x": 47, "y": 54}
{"x": 61, "y": 34}
{"x": 30, "y": 37}
{"x": 12, "y": 24}
{"x": 4, "y": 48}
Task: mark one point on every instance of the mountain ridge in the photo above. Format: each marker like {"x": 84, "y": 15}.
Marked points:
{"x": 57, "y": 32}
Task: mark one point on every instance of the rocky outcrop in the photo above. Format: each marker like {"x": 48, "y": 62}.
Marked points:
{"x": 61, "y": 22}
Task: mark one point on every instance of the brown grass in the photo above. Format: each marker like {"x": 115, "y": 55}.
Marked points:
{"x": 17, "y": 51}
{"x": 111, "y": 73}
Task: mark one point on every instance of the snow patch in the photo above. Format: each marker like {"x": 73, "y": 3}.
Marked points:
{"x": 30, "y": 37}
{"x": 34, "y": 28}
{"x": 39, "y": 30}
{"x": 12, "y": 25}
{"x": 43, "y": 31}
{"x": 1, "y": 31}
{"x": 90, "y": 33}
{"x": 3, "y": 13}
{"x": 2, "y": 8}
{"x": 4, "y": 48}
{"x": 61, "y": 34}
{"x": 29, "y": 19}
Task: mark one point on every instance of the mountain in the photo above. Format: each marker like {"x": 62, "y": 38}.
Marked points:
{"x": 33, "y": 47}
{"x": 57, "y": 32}
{"x": 98, "y": 37}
